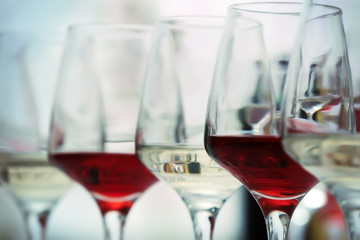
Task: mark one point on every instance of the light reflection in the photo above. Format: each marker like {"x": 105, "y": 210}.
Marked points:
{"x": 301, "y": 217}
{"x": 316, "y": 198}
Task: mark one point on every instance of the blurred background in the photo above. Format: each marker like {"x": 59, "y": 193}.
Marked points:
{"x": 38, "y": 15}
{"x": 159, "y": 213}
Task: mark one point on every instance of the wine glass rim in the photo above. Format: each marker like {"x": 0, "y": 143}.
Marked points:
{"x": 248, "y": 24}
{"x": 268, "y": 10}
{"x": 192, "y": 21}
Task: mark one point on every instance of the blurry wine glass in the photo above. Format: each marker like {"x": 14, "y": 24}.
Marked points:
{"x": 28, "y": 65}
{"x": 171, "y": 120}
{"x": 350, "y": 16}
{"x": 244, "y": 109}
{"x": 350, "y": 10}
{"x": 319, "y": 78}
{"x": 95, "y": 113}
{"x": 339, "y": 165}
{"x": 280, "y": 21}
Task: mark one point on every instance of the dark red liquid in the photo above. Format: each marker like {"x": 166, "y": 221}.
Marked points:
{"x": 357, "y": 117}
{"x": 110, "y": 177}
{"x": 261, "y": 164}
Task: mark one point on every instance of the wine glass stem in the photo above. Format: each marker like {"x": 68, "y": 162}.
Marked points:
{"x": 204, "y": 223}
{"x": 277, "y": 223}
{"x": 114, "y": 223}
{"x": 36, "y": 225}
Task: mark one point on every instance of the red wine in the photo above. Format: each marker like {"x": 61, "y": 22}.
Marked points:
{"x": 261, "y": 164}
{"x": 114, "y": 179}
{"x": 357, "y": 117}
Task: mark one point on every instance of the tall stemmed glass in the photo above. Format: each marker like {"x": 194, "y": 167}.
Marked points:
{"x": 172, "y": 114}
{"x": 280, "y": 21}
{"x": 241, "y": 126}
{"x": 350, "y": 17}
{"x": 320, "y": 78}
{"x": 28, "y": 67}
{"x": 350, "y": 10}
{"x": 95, "y": 113}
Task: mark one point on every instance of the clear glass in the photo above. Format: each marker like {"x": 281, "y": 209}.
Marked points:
{"x": 245, "y": 106}
{"x": 170, "y": 128}
{"x": 350, "y": 10}
{"x": 334, "y": 157}
{"x": 29, "y": 63}
{"x": 318, "y": 98}
{"x": 94, "y": 116}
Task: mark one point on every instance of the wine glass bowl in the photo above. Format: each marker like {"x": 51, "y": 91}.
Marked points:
{"x": 29, "y": 63}
{"x": 170, "y": 128}
{"x": 318, "y": 98}
{"x": 245, "y": 106}
{"x": 280, "y": 22}
{"x": 318, "y": 117}
{"x": 35, "y": 184}
{"x": 95, "y": 112}
{"x": 349, "y": 10}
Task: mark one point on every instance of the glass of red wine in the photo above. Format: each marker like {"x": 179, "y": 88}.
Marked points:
{"x": 29, "y": 63}
{"x": 244, "y": 109}
{"x": 323, "y": 142}
{"x": 95, "y": 113}
{"x": 172, "y": 113}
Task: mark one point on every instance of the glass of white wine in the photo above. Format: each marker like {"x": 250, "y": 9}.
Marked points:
{"x": 28, "y": 64}
{"x": 341, "y": 156}
{"x": 170, "y": 128}
{"x": 318, "y": 118}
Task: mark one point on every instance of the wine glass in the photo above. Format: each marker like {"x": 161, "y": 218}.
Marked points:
{"x": 29, "y": 63}
{"x": 94, "y": 116}
{"x": 318, "y": 94}
{"x": 244, "y": 109}
{"x": 171, "y": 120}
{"x": 349, "y": 9}
{"x": 325, "y": 144}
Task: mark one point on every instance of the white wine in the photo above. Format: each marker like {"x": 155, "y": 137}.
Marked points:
{"x": 329, "y": 157}
{"x": 34, "y": 183}
{"x": 189, "y": 170}
{"x": 304, "y": 147}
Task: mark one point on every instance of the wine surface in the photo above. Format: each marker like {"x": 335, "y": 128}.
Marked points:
{"x": 260, "y": 163}
{"x": 35, "y": 184}
{"x": 114, "y": 179}
{"x": 326, "y": 156}
{"x": 189, "y": 170}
